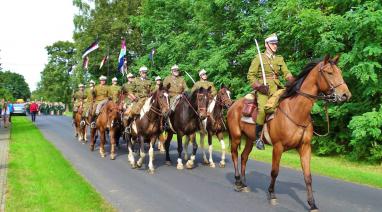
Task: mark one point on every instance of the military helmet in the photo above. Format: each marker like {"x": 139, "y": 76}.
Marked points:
{"x": 81, "y": 85}
{"x": 175, "y": 67}
{"x": 158, "y": 78}
{"x": 272, "y": 38}
{"x": 91, "y": 82}
{"x": 102, "y": 78}
{"x": 129, "y": 75}
{"x": 202, "y": 72}
{"x": 114, "y": 79}
{"x": 143, "y": 69}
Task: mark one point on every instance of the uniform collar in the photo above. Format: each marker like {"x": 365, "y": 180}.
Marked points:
{"x": 269, "y": 55}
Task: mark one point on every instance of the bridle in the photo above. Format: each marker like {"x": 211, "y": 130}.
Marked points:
{"x": 223, "y": 100}
{"x": 331, "y": 96}
{"x": 198, "y": 103}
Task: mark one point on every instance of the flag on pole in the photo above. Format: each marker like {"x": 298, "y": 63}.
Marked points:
{"x": 151, "y": 55}
{"x": 122, "y": 55}
{"x": 104, "y": 59}
{"x": 85, "y": 63}
{"x": 91, "y": 48}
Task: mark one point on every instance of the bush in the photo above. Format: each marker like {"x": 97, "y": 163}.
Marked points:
{"x": 366, "y": 136}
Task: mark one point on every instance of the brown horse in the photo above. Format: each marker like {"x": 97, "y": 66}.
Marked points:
{"x": 108, "y": 119}
{"x": 80, "y": 129}
{"x": 214, "y": 125}
{"x": 186, "y": 120}
{"x": 149, "y": 126}
{"x": 291, "y": 127}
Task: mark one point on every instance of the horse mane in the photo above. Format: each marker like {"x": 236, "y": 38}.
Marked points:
{"x": 292, "y": 89}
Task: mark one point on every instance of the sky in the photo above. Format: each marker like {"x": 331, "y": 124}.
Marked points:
{"x": 27, "y": 27}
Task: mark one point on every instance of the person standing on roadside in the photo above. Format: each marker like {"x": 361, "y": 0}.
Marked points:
{"x": 10, "y": 109}
{"x": 33, "y": 108}
{"x": 5, "y": 114}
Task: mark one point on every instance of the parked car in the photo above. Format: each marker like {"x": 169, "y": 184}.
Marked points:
{"x": 19, "y": 108}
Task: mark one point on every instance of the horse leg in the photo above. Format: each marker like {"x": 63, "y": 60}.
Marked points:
{"x": 92, "y": 139}
{"x": 142, "y": 153}
{"x": 235, "y": 142}
{"x": 131, "y": 153}
{"x": 190, "y": 163}
{"x": 151, "y": 155}
{"x": 221, "y": 139}
{"x": 186, "y": 143}
{"x": 210, "y": 148}
{"x": 112, "y": 136}
{"x": 167, "y": 148}
{"x": 180, "y": 149}
{"x": 305, "y": 155}
{"x": 202, "y": 135}
{"x": 85, "y": 134}
{"x": 102, "y": 143}
{"x": 244, "y": 159}
{"x": 276, "y": 157}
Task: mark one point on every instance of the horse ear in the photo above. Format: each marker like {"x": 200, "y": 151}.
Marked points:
{"x": 168, "y": 86}
{"x": 326, "y": 59}
{"x": 336, "y": 59}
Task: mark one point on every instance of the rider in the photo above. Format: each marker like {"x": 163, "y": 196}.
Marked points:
{"x": 273, "y": 65}
{"x": 178, "y": 86}
{"x": 127, "y": 91}
{"x": 101, "y": 94}
{"x": 115, "y": 90}
{"x": 78, "y": 98}
{"x": 203, "y": 82}
{"x": 142, "y": 88}
{"x": 158, "y": 82}
{"x": 88, "y": 100}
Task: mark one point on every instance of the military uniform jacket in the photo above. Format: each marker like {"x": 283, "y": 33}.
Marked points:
{"x": 178, "y": 85}
{"x": 127, "y": 88}
{"x": 204, "y": 84}
{"x": 273, "y": 65}
{"x": 101, "y": 92}
{"x": 142, "y": 87}
{"x": 89, "y": 95}
{"x": 115, "y": 90}
{"x": 79, "y": 96}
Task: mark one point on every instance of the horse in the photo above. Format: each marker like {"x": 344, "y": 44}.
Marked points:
{"x": 185, "y": 120}
{"x": 291, "y": 126}
{"x": 149, "y": 126}
{"x": 80, "y": 127}
{"x": 214, "y": 124}
{"x": 108, "y": 119}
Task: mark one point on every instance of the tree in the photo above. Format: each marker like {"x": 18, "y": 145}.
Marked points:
{"x": 14, "y": 85}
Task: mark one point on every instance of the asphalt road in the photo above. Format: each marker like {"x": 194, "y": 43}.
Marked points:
{"x": 202, "y": 188}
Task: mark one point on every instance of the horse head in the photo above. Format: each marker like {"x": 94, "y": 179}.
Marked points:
{"x": 224, "y": 97}
{"x": 330, "y": 81}
{"x": 202, "y": 101}
{"x": 161, "y": 97}
{"x": 113, "y": 114}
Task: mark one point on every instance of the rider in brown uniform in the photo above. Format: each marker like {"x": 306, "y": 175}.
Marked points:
{"x": 101, "y": 94}
{"x": 178, "y": 85}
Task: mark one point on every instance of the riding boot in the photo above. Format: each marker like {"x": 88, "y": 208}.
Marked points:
{"x": 259, "y": 142}
{"x": 93, "y": 121}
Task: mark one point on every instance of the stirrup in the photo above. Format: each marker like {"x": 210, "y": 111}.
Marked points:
{"x": 93, "y": 125}
{"x": 260, "y": 144}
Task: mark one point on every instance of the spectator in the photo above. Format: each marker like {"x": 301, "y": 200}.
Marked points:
{"x": 33, "y": 108}
{"x": 1, "y": 107}
{"x": 10, "y": 109}
{"x": 5, "y": 114}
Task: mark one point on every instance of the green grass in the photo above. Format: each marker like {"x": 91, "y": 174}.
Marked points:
{"x": 40, "y": 179}
{"x": 334, "y": 167}
{"x": 68, "y": 113}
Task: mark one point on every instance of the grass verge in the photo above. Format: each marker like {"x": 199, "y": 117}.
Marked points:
{"x": 40, "y": 179}
{"x": 334, "y": 167}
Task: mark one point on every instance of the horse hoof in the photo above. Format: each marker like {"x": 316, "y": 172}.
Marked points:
{"x": 273, "y": 201}
{"x": 206, "y": 163}
{"x": 212, "y": 165}
{"x": 103, "y": 156}
{"x": 91, "y": 148}
{"x": 179, "y": 167}
{"x": 189, "y": 165}
{"x": 243, "y": 189}
{"x": 139, "y": 165}
{"x": 112, "y": 157}
{"x": 222, "y": 165}
{"x": 133, "y": 166}
{"x": 314, "y": 210}
{"x": 168, "y": 163}
{"x": 151, "y": 171}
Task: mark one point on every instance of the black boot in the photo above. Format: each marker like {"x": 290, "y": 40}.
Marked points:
{"x": 259, "y": 142}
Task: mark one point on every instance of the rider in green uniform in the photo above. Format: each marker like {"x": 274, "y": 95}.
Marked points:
{"x": 115, "y": 90}
{"x": 204, "y": 83}
{"x": 101, "y": 94}
{"x": 178, "y": 86}
{"x": 142, "y": 88}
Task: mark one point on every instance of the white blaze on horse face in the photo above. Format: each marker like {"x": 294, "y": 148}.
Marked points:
{"x": 212, "y": 105}
{"x": 168, "y": 101}
{"x": 228, "y": 93}
{"x": 146, "y": 107}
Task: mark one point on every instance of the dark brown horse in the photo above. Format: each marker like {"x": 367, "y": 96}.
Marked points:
{"x": 108, "y": 119}
{"x": 291, "y": 127}
{"x": 186, "y": 120}
{"x": 214, "y": 125}
{"x": 149, "y": 125}
{"x": 80, "y": 129}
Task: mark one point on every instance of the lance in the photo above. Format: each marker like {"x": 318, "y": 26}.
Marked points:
{"x": 261, "y": 63}
{"x": 190, "y": 76}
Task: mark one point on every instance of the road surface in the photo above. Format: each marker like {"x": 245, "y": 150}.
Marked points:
{"x": 202, "y": 188}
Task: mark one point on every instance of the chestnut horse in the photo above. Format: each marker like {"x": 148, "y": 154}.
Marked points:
{"x": 108, "y": 119}
{"x": 80, "y": 128}
{"x": 291, "y": 127}
{"x": 214, "y": 124}
{"x": 149, "y": 126}
{"x": 186, "y": 120}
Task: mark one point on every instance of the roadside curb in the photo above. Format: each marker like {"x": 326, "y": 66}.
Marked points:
{"x": 4, "y": 143}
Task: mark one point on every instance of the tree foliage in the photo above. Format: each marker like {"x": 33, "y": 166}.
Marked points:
{"x": 13, "y": 85}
